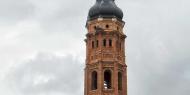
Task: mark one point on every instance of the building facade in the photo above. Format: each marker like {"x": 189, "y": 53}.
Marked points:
{"x": 106, "y": 70}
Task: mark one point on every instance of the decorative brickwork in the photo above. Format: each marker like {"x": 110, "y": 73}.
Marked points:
{"x": 106, "y": 70}
{"x": 105, "y": 55}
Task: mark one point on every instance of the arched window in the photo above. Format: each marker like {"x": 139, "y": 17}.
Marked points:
{"x": 97, "y": 43}
{"x": 107, "y": 26}
{"x": 92, "y": 44}
{"x": 110, "y": 42}
{"x": 95, "y": 27}
{"x": 104, "y": 42}
{"x": 107, "y": 79}
{"x": 94, "y": 80}
{"x": 119, "y": 81}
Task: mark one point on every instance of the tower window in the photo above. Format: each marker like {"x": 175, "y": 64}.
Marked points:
{"x": 97, "y": 43}
{"x": 92, "y": 44}
{"x": 107, "y": 79}
{"x": 104, "y": 42}
{"x": 119, "y": 81}
{"x": 117, "y": 28}
{"x": 94, "y": 81}
{"x": 107, "y": 26}
{"x": 94, "y": 27}
{"x": 110, "y": 42}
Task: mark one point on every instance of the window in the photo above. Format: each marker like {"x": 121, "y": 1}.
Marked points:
{"x": 104, "y": 42}
{"x": 92, "y": 44}
{"x": 107, "y": 26}
{"x": 110, "y": 42}
{"x": 107, "y": 79}
{"x": 97, "y": 43}
{"x": 119, "y": 81}
{"x": 95, "y": 27}
{"x": 94, "y": 81}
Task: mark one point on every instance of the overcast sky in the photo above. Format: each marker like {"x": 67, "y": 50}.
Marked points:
{"x": 42, "y": 49}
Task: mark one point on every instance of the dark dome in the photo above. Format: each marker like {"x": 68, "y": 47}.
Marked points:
{"x": 105, "y": 8}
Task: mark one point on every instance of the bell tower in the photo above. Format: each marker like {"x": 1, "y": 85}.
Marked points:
{"x": 106, "y": 70}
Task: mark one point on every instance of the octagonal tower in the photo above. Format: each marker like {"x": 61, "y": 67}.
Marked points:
{"x": 106, "y": 70}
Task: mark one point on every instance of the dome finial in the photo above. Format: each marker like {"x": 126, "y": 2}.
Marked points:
{"x": 105, "y": 8}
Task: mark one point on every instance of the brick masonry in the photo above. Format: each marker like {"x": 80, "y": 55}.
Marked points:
{"x": 105, "y": 51}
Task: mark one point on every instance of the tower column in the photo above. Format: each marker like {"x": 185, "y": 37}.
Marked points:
{"x": 116, "y": 78}
{"x": 124, "y": 78}
{"x": 100, "y": 81}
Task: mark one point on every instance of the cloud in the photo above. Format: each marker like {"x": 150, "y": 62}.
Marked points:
{"x": 46, "y": 74}
{"x": 12, "y": 11}
{"x": 157, "y": 46}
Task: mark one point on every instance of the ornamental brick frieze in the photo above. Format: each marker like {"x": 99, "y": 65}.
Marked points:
{"x": 92, "y": 66}
{"x": 108, "y": 65}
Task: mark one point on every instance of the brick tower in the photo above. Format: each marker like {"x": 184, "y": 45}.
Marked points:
{"x": 105, "y": 71}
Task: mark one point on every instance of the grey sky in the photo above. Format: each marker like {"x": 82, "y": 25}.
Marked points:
{"x": 42, "y": 49}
